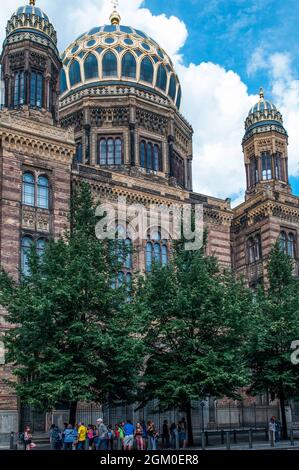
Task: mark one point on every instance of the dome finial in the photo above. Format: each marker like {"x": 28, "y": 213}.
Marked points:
{"x": 32, "y": 2}
{"x": 115, "y": 16}
{"x": 262, "y": 93}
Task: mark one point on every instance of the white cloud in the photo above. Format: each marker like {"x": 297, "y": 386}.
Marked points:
{"x": 215, "y": 101}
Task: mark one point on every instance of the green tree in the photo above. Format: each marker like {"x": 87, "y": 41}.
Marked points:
{"x": 274, "y": 326}
{"x": 70, "y": 341}
{"x": 193, "y": 319}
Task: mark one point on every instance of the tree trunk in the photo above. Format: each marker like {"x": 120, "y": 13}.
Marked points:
{"x": 284, "y": 429}
{"x": 73, "y": 412}
{"x": 189, "y": 423}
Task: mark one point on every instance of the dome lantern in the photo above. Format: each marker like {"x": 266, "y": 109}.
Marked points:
{"x": 115, "y": 16}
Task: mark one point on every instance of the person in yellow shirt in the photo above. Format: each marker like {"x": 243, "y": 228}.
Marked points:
{"x": 82, "y": 433}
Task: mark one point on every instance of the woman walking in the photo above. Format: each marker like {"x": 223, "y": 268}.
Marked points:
{"x": 139, "y": 437}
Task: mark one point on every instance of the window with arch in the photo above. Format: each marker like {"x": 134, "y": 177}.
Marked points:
{"x": 109, "y": 65}
{"x": 63, "y": 84}
{"x": 266, "y": 166}
{"x": 179, "y": 98}
{"x": 254, "y": 248}
{"x": 150, "y": 155}
{"x": 74, "y": 73}
{"x": 172, "y": 87}
{"x": 128, "y": 66}
{"x": 27, "y": 243}
{"x": 278, "y": 167}
{"x": 254, "y": 172}
{"x": 156, "y": 250}
{"x": 36, "y": 89}
{"x": 110, "y": 151}
{"x": 19, "y": 89}
{"x": 178, "y": 169}
{"x": 79, "y": 151}
{"x": 287, "y": 243}
{"x": 28, "y": 190}
{"x": 161, "y": 81}
{"x": 91, "y": 68}
{"x": 43, "y": 192}
{"x": 146, "y": 70}
{"x": 124, "y": 257}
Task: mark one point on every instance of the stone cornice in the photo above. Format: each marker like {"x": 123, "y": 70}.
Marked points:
{"x": 36, "y": 138}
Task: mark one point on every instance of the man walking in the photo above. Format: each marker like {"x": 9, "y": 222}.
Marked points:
{"x": 129, "y": 431}
{"x": 82, "y": 433}
{"x": 102, "y": 435}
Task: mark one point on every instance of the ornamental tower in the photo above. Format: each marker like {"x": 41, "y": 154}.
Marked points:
{"x": 265, "y": 147}
{"x": 30, "y": 63}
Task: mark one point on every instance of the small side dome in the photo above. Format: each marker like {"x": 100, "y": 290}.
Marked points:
{"x": 30, "y": 22}
{"x": 262, "y": 117}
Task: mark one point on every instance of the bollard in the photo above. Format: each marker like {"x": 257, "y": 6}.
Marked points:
{"x": 272, "y": 439}
{"x": 203, "y": 441}
{"x": 227, "y": 440}
{"x": 12, "y": 439}
{"x": 292, "y": 437}
{"x": 250, "y": 438}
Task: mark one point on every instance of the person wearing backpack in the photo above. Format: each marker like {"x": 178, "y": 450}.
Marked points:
{"x": 55, "y": 437}
{"x": 69, "y": 437}
{"x": 102, "y": 435}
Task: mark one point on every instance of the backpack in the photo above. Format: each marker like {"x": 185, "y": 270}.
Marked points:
{"x": 21, "y": 437}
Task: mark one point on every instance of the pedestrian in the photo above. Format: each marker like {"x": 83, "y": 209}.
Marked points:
{"x": 165, "y": 435}
{"x": 139, "y": 437}
{"x": 82, "y": 435}
{"x": 69, "y": 437}
{"x": 173, "y": 434}
{"x": 129, "y": 432}
{"x": 90, "y": 436}
{"x": 102, "y": 435}
{"x": 144, "y": 434}
{"x": 55, "y": 437}
{"x": 272, "y": 429}
{"x": 110, "y": 437}
{"x": 182, "y": 428}
{"x": 153, "y": 435}
{"x": 27, "y": 438}
{"x": 65, "y": 425}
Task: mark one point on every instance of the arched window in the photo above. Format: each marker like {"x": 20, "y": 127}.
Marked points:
{"x": 43, "y": 192}
{"x": 91, "y": 68}
{"x": 266, "y": 166}
{"x": 40, "y": 246}
{"x": 156, "y": 158}
{"x": 254, "y": 173}
{"x": 149, "y": 257}
{"x": 142, "y": 154}
{"x": 63, "y": 84}
{"x": 283, "y": 242}
{"x": 128, "y": 254}
{"x": 103, "y": 152}
{"x": 149, "y": 156}
{"x": 28, "y": 193}
{"x": 157, "y": 252}
{"x": 75, "y": 73}
{"x": 19, "y": 89}
{"x": 109, "y": 65}
{"x": 110, "y": 147}
{"x": 36, "y": 89}
{"x": 258, "y": 247}
{"x": 79, "y": 151}
{"x": 172, "y": 87}
{"x": 120, "y": 279}
{"x": 179, "y": 97}
{"x": 291, "y": 245}
{"x": 118, "y": 151}
{"x": 110, "y": 151}
{"x": 26, "y": 245}
{"x": 128, "y": 65}
{"x": 146, "y": 70}
{"x": 251, "y": 247}
{"x": 164, "y": 254}
{"x": 278, "y": 167}
{"x": 161, "y": 78}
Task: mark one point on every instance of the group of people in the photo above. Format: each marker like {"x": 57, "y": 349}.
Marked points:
{"x": 123, "y": 436}
{"x": 275, "y": 429}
